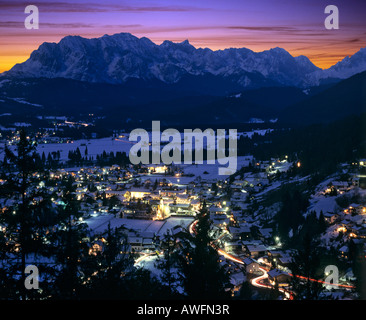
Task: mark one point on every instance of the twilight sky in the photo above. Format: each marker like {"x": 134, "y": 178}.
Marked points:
{"x": 295, "y": 25}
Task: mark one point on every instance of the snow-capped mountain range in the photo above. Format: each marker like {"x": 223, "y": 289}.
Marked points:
{"x": 117, "y": 58}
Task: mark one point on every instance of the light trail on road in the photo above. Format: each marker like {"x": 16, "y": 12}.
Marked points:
{"x": 323, "y": 282}
{"x": 257, "y": 281}
{"x": 145, "y": 256}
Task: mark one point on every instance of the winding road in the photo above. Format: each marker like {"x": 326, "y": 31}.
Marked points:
{"x": 257, "y": 282}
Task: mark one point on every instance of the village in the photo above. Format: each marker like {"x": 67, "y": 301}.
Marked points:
{"x": 151, "y": 201}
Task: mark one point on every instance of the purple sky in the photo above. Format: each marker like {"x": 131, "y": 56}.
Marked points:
{"x": 295, "y": 25}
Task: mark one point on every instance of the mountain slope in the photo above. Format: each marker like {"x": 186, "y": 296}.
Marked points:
{"x": 344, "y": 69}
{"x": 346, "y": 98}
{"x": 181, "y": 103}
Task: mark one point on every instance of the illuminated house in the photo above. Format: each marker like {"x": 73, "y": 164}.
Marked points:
{"x": 235, "y": 233}
{"x": 180, "y": 207}
{"x": 331, "y": 217}
{"x": 157, "y": 169}
{"x": 237, "y": 279}
{"x": 362, "y": 163}
{"x": 265, "y": 234}
{"x": 255, "y": 250}
{"x": 278, "y": 276}
{"x": 355, "y": 208}
{"x": 96, "y": 247}
{"x": 135, "y": 243}
{"x": 341, "y": 185}
{"x": 232, "y": 246}
{"x": 217, "y": 211}
{"x": 196, "y": 204}
{"x": 136, "y": 194}
{"x": 148, "y": 244}
{"x": 245, "y": 232}
{"x": 344, "y": 252}
{"x": 251, "y": 265}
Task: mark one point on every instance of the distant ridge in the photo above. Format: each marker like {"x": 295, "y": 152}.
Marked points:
{"x": 117, "y": 58}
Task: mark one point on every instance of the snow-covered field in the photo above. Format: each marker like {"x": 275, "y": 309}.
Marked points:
{"x": 322, "y": 203}
{"x": 99, "y": 224}
{"x": 210, "y": 171}
{"x": 97, "y": 146}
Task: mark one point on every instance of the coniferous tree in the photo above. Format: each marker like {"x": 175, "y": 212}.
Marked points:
{"x": 201, "y": 274}
{"x": 166, "y": 264}
{"x": 274, "y": 292}
{"x": 322, "y": 225}
{"x": 246, "y": 291}
{"x": 49, "y": 160}
{"x": 305, "y": 269}
{"x": 359, "y": 271}
{"x": 27, "y": 218}
{"x": 70, "y": 248}
{"x": 357, "y": 260}
{"x": 107, "y": 269}
{"x": 290, "y": 216}
{"x": 43, "y": 158}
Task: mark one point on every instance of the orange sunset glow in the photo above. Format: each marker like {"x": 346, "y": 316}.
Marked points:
{"x": 256, "y": 25}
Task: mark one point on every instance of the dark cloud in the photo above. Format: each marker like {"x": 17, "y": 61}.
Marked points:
{"x": 71, "y": 25}
{"x": 353, "y": 40}
{"x": 260, "y": 28}
{"x": 58, "y": 6}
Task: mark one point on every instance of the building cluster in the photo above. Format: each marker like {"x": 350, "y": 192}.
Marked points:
{"x": 157, "y": 193}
